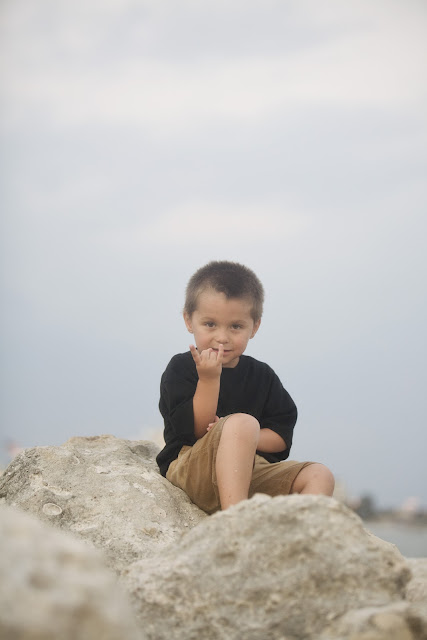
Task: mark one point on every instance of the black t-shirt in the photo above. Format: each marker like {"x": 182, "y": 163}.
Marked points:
{"x": 251, "y": 387}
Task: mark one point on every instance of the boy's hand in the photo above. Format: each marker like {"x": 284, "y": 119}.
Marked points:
{"x": 212, "y": 424}
{"x": 208, "y": 362}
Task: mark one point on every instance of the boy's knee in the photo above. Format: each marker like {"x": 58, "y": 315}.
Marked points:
{"x": 315, "y": 478}
{"x": 242, "y": 423}
{"x": 323, "y": 473}
{"x": 327, "y": 475}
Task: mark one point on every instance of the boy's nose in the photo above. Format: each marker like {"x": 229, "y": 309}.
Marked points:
{"x": 221, "y": 336}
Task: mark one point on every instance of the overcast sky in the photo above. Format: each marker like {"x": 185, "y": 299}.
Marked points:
{"x": 141, "y": 139}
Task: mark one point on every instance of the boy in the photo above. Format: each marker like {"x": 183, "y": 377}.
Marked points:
{"x": 219, "y": 461}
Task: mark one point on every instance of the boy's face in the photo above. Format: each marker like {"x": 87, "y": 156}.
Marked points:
{"x": 218, "y": 320}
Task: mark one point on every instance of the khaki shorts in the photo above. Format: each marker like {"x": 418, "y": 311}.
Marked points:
{"x": 194, "y": 472}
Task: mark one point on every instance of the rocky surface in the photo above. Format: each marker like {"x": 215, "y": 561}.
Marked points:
{"x": 53, "y": 585}
{"x": 105, "y": 490}
{"x": 398, "y": 621}
{"x": 285, "y": 568}
{"x": 268, "y": 568}
{"x": 416, "y": 591}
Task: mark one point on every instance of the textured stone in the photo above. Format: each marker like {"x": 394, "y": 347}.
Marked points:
{"x": 288, "y": 568}
{"x": 398, "y": 621}
{"x": 53, "y": 585}
{"x": 105, "y": 490}
{"x": 268, "y": 568}
{"x": 416, "y": 590}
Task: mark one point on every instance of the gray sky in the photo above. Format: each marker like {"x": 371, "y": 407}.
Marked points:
{"x": 140, "y": 140}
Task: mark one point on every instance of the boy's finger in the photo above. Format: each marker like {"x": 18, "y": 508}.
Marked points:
{"x": 220, "y": 352}
{"x": 194, "y": 353}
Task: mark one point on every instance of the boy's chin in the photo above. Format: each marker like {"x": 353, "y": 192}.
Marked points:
{"x": 231, "y": 362}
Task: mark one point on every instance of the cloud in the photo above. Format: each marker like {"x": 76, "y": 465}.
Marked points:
{"x": 376, "y": 63}
{"x": 218, "y": 225}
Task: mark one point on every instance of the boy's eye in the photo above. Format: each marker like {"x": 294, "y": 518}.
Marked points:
{"x": 236, "y": 326}
{"x": 210, "y": 324}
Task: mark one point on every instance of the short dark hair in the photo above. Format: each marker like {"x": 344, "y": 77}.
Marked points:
{"x": 232, "y": 279}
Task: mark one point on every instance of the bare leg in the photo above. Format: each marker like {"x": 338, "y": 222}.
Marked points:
{"x": 314, "y": 479}
{"x": 235, "y": 458}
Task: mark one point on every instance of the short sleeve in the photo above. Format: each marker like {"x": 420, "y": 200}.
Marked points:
{"x": 279, "y": 413}
{"x": 177, "y": 388}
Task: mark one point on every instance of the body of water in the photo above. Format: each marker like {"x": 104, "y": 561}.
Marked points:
{"x": 410, "y": 539}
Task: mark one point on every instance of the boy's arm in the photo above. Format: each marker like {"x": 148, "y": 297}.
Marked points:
{"x": 270, "y": 441}
{"x": 205, "y": 400}
{"x": 277, "y": 420}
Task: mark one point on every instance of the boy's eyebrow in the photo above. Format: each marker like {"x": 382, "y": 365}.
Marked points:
{"x": 234, "y": 321}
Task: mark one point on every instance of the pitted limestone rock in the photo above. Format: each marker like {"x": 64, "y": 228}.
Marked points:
{"x": 416, "y": 590}
{"x": 295, "y": 567}
{"x": 397, "y": 621}
{"x": 269, "y": 568}
{"x": 106, "y": 490}
{"x": 53, "y": 585}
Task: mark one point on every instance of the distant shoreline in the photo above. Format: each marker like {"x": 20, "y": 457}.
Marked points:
{"x": 397, "y": 519}
{"x": 409, "y": 536}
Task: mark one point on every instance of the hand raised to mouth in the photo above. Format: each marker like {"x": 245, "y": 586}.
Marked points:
{"x": 208, "y": 362}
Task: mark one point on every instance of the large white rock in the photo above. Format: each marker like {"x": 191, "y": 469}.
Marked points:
{"x": 397, "y": 621}
{"x": 53, "y": 586}
{"x": 416, "y": 589}
{"x": 266, "y": 569}
{"x": 105, "y": 490}
{"x": 288, "y": 568}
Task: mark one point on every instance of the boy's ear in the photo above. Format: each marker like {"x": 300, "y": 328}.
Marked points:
{"x": 256, "y": 327}
{"x": 188, "y": 323}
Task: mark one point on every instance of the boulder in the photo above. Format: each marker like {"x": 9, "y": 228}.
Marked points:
{"x": 288, "y": 568}
{"x": 416, "y": 590}
{"x": 398, "y": 621}
{"x": 106, "y": 490}
{"x": 267, "y": 568}
{"x": 53, "y": 585}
